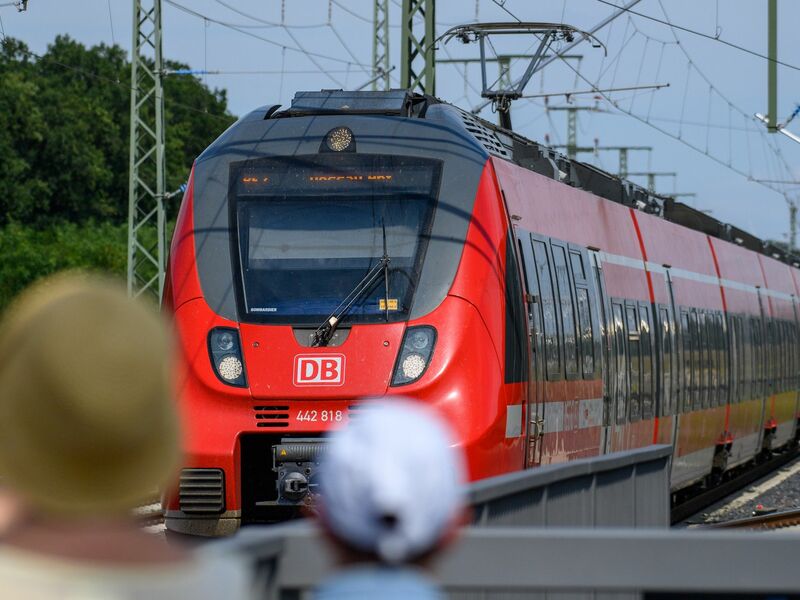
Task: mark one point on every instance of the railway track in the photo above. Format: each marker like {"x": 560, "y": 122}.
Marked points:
{"x": 691, "y": 506}
{"x": 774, "y": 520}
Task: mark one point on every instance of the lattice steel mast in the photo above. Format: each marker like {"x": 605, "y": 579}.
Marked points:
{"x": 147, "y": 183}
{"x": 418, "y": 57}
{"x": 380, "y": 46}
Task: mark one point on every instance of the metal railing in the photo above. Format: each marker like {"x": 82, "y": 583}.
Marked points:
{"x": 501, "y": 562}
{"x": 626, "y": 489}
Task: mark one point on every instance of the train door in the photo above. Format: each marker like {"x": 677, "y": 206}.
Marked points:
{"x": 793, "y": 366}
{"x": 671, "y": 378}
{"x": 608, "y": 364}
{"x": 762, "y": 387}
{"x": 541, "y": 307}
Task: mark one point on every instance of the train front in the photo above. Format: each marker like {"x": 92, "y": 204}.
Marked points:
{"x": 312, "y": 267}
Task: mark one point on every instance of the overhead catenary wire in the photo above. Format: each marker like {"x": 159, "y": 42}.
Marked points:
{"x": 701, "y": 34}
{"x": 264, "y": 23}
{"x": 269, "y": 41}
{"x": 111, "y": 23}
{"x": 616, "y": 104}
{"x": 329, "y": 24}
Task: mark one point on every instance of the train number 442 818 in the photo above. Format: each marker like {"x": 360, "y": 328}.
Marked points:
{"x": 320, "y": 416}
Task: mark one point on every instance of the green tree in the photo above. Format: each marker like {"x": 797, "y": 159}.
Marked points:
{"x": 64, "y": 127}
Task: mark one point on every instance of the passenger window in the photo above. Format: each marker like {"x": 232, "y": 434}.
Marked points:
{"x": 647, "y": 361}
{"x": 577, "y": 266}
{"x": 722, "y": 359}
{"x": 769, "y": 352}
{"x": 686, "y": 342}
{"x": 549, "y": 310}
{"x": 713, "y": 362}
{"x": 734, "y": 354}
{"x": 666, "y": 363}
{"x": 586, "y": 335}
{"x": 621, "y": 387}
{"x": 786, "y": 354}
{"x": 634, "y": 352}
{"x": 697, "y": 381}
{"x": 758, "y": 364}
{"x": 748, "y": 331}
{"x": 567, "y": 313}
{"x": 705, "y": 359}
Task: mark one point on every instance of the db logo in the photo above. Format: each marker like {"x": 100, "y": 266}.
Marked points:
{"x": 319, "y": 369}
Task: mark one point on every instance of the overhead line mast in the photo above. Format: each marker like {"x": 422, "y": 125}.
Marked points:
{"x": 147, "y": 175}
{"x": 417, "y": 47}
{"x": 380, "y": 46}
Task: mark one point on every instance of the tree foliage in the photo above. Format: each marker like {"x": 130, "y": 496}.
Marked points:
{"x": 64, "y": 155}
{"x": 64, "y": 127}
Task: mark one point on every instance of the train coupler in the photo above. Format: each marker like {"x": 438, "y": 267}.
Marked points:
{"x": 296, "y": 461}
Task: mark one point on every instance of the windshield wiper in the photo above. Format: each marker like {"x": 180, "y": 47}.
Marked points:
{"x": 324, "y": 332}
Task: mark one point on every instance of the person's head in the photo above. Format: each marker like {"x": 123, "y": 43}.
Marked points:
{"x": 87, "y": 427}
{"x": 391, "y": 482}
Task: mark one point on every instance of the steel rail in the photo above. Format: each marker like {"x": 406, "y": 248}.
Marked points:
{"x": 774, "y": 520}
{"x": 693, "y": 505}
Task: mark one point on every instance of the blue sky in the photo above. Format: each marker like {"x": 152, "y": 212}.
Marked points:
{"x": 709, "y": 82}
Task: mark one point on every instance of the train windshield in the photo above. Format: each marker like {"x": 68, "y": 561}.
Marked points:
{"x": 309, "y": 229}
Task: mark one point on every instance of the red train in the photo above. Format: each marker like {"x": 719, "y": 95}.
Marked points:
{"x": 363, "y": 244}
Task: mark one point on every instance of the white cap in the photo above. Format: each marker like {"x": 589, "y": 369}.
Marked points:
{"x": 391, "y": 481}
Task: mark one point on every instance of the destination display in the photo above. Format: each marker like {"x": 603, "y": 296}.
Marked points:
{"x": 271, "y": 177}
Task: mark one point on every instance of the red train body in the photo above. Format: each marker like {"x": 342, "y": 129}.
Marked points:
{"x": 534, "y": 301}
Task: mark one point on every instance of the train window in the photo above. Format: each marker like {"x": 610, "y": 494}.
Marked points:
{"x": 694, "y": 334}
{"x": 780, "y": 354}
{"x": 634, "y": 352}
{"x": 647, "y": 361}
{"x": 795, "y": 355}
{"x": 567, "y": 313}
{"x": 767, "y": 349}
{"x": 758, "y": 364}
{"x": 666, "y": 362}
{"x": 733, "y": 358}
{"x": 793, "y": 351}
{"x": 516, "y": 351}
{"x": 549, "y": 310}
{"x": 586, "y": 335}
{"x": 686, "y": 357}
{"x": 716, "y": 356}
{"x": 722, "y": 362}
{"x": 741, "y": 332}
{"x": 748, "y": 331}
{"x": 786, "y": 354}
{"x": 708, "y": 365}
{"x": 578, "y": 272}
{"x": 621, "y": 384}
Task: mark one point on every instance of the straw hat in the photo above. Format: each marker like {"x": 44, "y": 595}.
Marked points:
{"x": 391, "y": 482}
{"x": 86, "y": 421}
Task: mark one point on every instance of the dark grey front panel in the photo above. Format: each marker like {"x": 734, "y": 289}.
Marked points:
{"x": 441, "y": 135}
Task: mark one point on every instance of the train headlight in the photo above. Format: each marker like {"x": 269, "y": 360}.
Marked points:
{"x": 225, "y": 341}
{"x": 230, "y": 368}
{"x": 413, "y": 366}
{"x": 415, "y": 354}
{"x": 340, "y": 139}
{"x": 226, "y": 356}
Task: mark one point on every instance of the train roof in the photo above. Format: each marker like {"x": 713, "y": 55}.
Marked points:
{"x": 531, "y": 155}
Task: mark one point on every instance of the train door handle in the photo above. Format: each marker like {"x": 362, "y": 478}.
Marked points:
{"x": 537, "y": 424}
